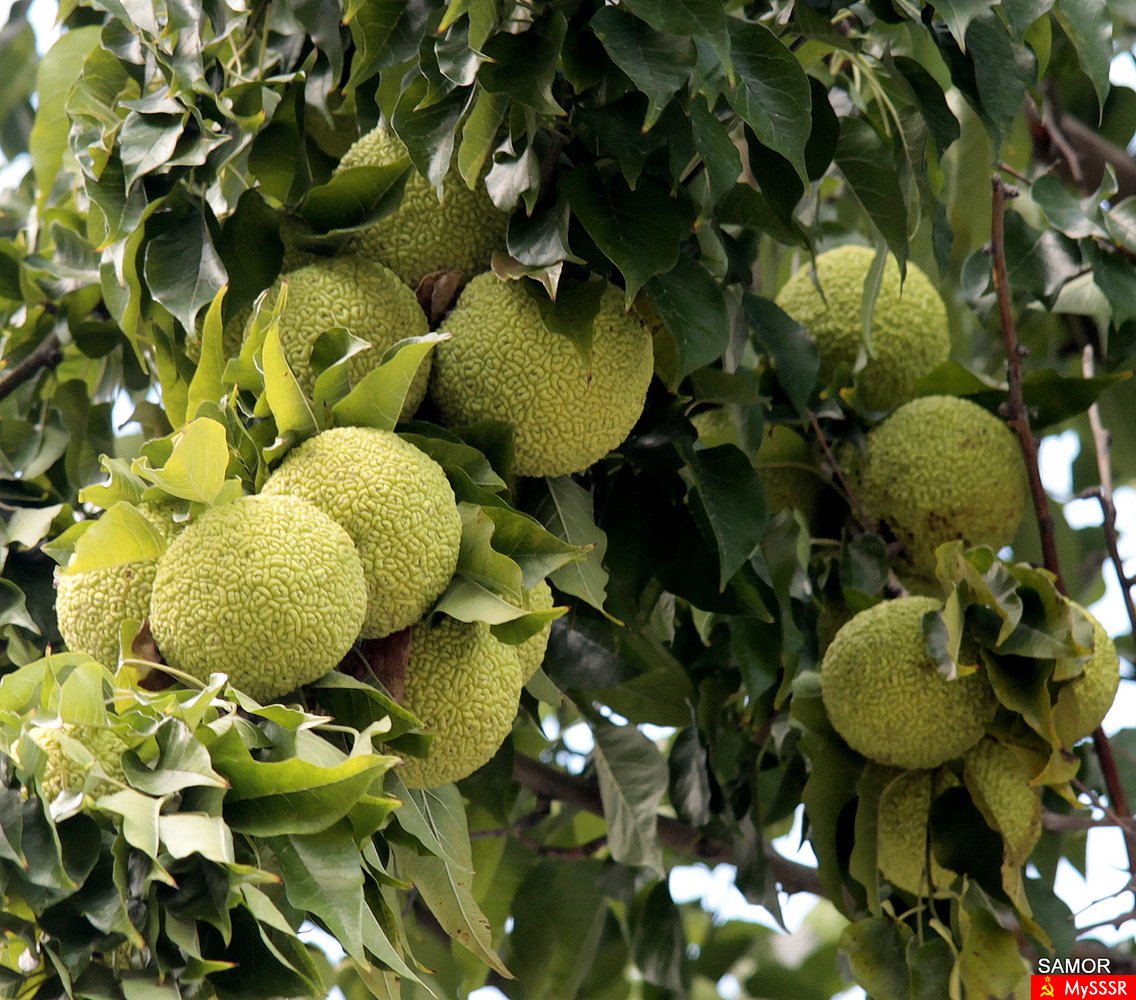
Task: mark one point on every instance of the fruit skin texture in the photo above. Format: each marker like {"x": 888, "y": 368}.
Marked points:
{"x": 1083, "y": 702}
{"x": 421, "y": 235}
{"x": 266, "y": 589}
{"x": 90, "y": 607}
{"x": 901, "y": 837}
{"x": 464, "y": 685}
{"x": 531, "y": 652}
{"x": 942, "y": 468}
{"x": 885, "y": 697}
{"x": 355, "y": 293}
{"x": 998, "y": 778}
{"x": 396, "y": 504}
{"x": 910, "y": 334}
{"x": 504, "y": 364}
{"x": 61, "y": 773}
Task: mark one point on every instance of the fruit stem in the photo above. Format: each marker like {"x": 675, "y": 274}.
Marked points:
{"x": 1015, "y": 411}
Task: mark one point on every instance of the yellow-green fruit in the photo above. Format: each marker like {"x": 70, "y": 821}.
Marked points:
{"x": 464, "y": 685}
{"x": 902, "y": 848}
{"x": 63, "y": 773}
{"x": 91, "y": 607}
{"x": 939, "y": 469}
{"x": 531, "y": 651}
{"x": 787, "y": 466}
{"x": 359, "y": 295}
{"x": 267, "y": 589}
{"x": 1083, "y": 702}
{"x": 422, "y": 235}
{"x": 910, "y": 334}
{"x": 504, "y": 364}
{"x": 396, "y": 504}
{"x": 885, "y": 696}
{"x": 998, "y": 777}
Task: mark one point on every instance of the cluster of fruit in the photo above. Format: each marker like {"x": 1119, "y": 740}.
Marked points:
{"x": 357, "y": 533}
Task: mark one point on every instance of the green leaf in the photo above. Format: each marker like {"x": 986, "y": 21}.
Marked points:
{"x": 772, "y": 94}
{"x": 377, "y": 400}
{"x": 633, "y": 779}
{"x": 323, "y": 875}
{"x": 794, "y": 352}
{"x": 658, "y": 64}
{"x": 121, "y": 535}
{"x": 1004, "y": 72}
{"x": 58, "y": 70}
{"x": 876, "y": 951}
{"x": 286, "y": 400}
{"x": 182, "y": 267}
{"x": 867, "y": 166}
{"x": 479, "y": 562}
{"x": 523, "y": 66}
{"x": 1120, "y": 220}
{"x": 535, "y": 550}
{"x": 940, "y": 119}
{"x": 207, "y": 385}
{"x": 989, "y": 963}
{"x": 1088, "y": 23}
{"x": 183, "y": 834}
{"x": 640, "y": 230}
{"x": 728, "y": 491}
{"x": 446, "y": 890}
{"x": 691, "y": 305}
{"x": 565, "y": 509}
{"x": 959, "y": 13}
{"x": 435, "y": 817}
{"x": 355, "y": 198}
{"x": 479, "y": 135}
{"x": 658, "y": 939}
{"x": 701, "y": 19}
{"x": 690, "y": 790}
{"x": 139, "y": 818}
{"x": 290, "y": 796}
{"x": 195, "y": 468}
{"x": 1021, "y": 14}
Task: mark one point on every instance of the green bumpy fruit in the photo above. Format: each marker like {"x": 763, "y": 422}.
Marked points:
{"x": 359, "y": 295}
{"x": 939, "y": 469}
{"x": 504, "y": 364}
{"x": 464, "y": 685}
{"x": 998, "y": 777}
{"x": 396, "y": 504}
{"x": 422, "y": 235}
{"x": 64, "y": 774}
{"x": 1083, "y": 702}
{"x": 902, "y": 851}
{"x": 90, "y": 607}
{"x": 886, "y": 698}
{"x": 267, "y": 589}
{"x": 531, "y": 651}
{"x": 910, "y": 333}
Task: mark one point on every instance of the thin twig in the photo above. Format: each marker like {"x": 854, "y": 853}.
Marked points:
{"x": 48, "y": 354}
{"x": 1102, "y": 441}
{"x": 583, "y": 794}
{"x": 853, "y": 500}
{"x": 1016, "y": 174}
{"x": 1017, "y": 416}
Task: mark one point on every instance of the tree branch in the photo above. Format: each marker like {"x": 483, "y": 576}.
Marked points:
{"x": 1017, "y": 416}
{"x": 47, "y": 354}
{"x": 583, "y": 794}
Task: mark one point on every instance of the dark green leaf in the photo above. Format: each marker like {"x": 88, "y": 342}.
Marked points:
{"x": 703, "y": 19}
{"x": 772, "y": 95}
{"x": 633, "y": 780}
{"x": 658, "y": 64}
{"x": 689, "y": 778}
{"x": 1003, "y": 72}
{"x": 794, "y": 352}
{"x": 566, "y": 511}
{"x": 729, "y": 491}
{"x": 866, "y": 163}
{"x": 523, "y": 66}
{"x": 876, "y": 950}
{"x": 1088, "y": 23}
{"x": 959, "y": 13}
{"x": 690, "y": 302}
{"x": 639, "y": 230}
{"x": 658, "y": 940}
{"x": 183, "y": 269}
